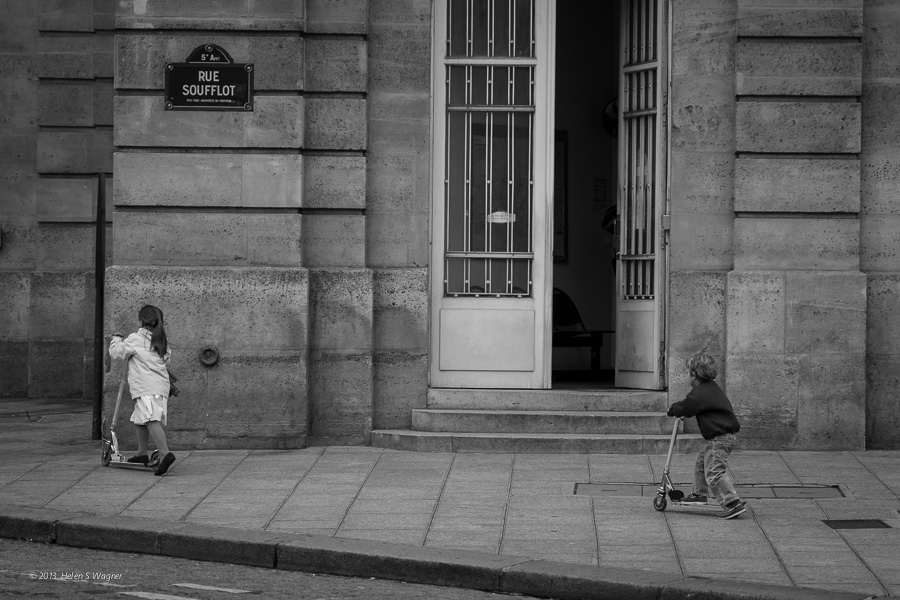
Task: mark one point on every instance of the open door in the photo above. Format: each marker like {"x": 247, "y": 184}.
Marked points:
{"x": 641, "y": 268}
{"x": 492, "y": 193}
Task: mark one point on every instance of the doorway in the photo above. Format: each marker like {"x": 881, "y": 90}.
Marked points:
{"x": 536, "y": 208}
{"x": 585, "y": 240}
{"x": 610, "y": 195}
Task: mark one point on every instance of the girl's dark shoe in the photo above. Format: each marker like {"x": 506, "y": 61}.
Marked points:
{"x": 164, "y": 465}
{"x": 139, "y": 458}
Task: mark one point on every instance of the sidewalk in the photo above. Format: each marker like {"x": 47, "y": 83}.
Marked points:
{"x": 509, "y": 506}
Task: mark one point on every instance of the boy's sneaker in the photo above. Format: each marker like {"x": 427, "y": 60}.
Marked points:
{"x": 693, "y": 499}
{"x": 733, "y": 510}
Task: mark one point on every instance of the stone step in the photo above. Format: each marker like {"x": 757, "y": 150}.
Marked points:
{"x": 556, "y": 399}
{"x": 532, "y": 443}
{"x": 541, "y": 421}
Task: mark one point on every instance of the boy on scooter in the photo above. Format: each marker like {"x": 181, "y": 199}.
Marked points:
{"x": 718, "y": 425}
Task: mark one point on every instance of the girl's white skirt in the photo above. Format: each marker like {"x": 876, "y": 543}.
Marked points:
{"x": 149, "y": 408}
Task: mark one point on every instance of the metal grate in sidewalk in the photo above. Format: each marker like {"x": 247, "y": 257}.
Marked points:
{"x": 857, "y": 524}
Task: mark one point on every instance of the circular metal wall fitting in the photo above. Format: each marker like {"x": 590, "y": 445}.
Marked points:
{"x": 209, "y": 355}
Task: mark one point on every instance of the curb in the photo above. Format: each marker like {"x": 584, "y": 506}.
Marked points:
{"x": 383, "y": 560}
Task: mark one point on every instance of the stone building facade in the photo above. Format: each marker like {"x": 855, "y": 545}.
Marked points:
{"x": 295, "y": 243}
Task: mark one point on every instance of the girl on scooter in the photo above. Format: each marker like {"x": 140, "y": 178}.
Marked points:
{"x": 148, "y": 379}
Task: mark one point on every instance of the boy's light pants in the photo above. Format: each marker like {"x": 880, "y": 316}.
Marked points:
{"x": 710, "y": 471}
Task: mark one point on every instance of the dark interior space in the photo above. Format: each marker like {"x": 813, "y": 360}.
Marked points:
{"x": 585, "y": 194}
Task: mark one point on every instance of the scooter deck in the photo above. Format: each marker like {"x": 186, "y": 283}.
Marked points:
{"x": 122, "y": 461}
{"x": 111, "y": 457}
{"x": 706, "y": 506}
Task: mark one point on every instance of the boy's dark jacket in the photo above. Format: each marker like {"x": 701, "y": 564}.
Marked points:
{"x": 710, "y": 405}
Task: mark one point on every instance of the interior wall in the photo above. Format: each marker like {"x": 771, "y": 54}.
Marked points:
{"x": 586, "y": 82}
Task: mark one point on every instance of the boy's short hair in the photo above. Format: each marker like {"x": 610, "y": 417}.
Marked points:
{"x": 702, "y": 366}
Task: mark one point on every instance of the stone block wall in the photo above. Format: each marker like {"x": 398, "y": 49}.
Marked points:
{"x": 255, "y": 395}
{"x": 248, "y": 228}
{"x": 312, "y": 211}
{"x": 329, "y": 176}
{"x": 56, "y": 69}
{"x": 401, "y": 341}
{"x": 796, "y": 297}
{"x": 766, "y": 271}
{"x": 341, "y": 378}
{"x": 295, "y": 185}
{"x": 880, "y": 220}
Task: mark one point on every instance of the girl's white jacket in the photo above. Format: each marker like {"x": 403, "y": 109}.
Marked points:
{"x": 147, "y": 373}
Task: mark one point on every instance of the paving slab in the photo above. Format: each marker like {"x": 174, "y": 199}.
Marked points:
{"x": 356, "y": 521}
{"x": 415, "y": 537}
{"x": 715, "y": 550}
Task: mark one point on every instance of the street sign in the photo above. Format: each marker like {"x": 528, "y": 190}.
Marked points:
{"x": 209, "y": 80}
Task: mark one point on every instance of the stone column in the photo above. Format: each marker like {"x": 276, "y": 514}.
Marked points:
{"x": 796, "y": 299}
{"x": 701, "y": 182}
{"x": 334, "y": 230}
{"x": 398, "y": 203}
{"x": 880, "y": 220}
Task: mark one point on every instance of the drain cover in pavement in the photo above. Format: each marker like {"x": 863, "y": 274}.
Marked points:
{"x": 857, "y": 524}
{"x": 609, "y": 489}
{"x": 824, "y": 491}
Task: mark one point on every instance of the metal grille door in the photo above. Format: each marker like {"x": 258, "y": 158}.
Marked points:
{"x": 640, "y": 340}
{"x": 639, "y": 105}
{"x": 489, "y": 176}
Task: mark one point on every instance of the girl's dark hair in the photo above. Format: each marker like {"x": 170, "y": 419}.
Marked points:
{"x": 152, "y": 319}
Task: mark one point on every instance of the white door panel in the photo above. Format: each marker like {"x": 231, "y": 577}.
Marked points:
{"x": 464, "y": 347}
{"x": 637, "y": 361}
{"x": 636, "y": 326}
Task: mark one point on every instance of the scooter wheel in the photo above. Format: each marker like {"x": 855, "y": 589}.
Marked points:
{"x": 660, "y": 503}
{"x": 106, "y": 455}
{"x": 154, "y": 459}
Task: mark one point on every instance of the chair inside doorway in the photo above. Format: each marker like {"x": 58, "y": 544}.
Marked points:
{"x": 569, "y": 331}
